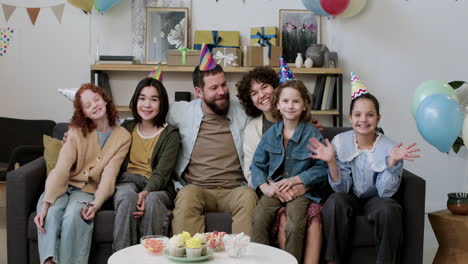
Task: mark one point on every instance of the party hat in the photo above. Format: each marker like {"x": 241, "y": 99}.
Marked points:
{"x": 206, "y": 59}
{"x": 357, "y": 88}
{"x": 285, "y": 73}
{"x": 69, "y": 93}
{"x": 156, "y": 73}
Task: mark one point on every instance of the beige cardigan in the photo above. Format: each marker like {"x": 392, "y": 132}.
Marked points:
{"x": 83, "y": 164}
{"x": 252, "y": 136}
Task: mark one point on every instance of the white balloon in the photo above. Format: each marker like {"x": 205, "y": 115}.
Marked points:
{"x": 462, "y": 94}
{"x": 69, "y": 92}
{"x": 354, "y": 7}
{"x": 464, "y": 133}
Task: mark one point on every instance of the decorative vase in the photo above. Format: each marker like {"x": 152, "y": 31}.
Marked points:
{"x": 299, "y": 61}
{"x": 457, "y": 203}
{"x": 317, "y": 53}
{"x": 308, "y": 63}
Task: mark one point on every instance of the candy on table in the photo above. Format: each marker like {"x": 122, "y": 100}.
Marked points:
{"x": 236, "y": 245}
{"x": 214, "y": 240}
{"x": 153, "y": 245}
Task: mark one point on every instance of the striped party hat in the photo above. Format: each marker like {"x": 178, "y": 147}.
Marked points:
{"x": 285, "y": 73}
{"x": 206, "y": 59}
{"x": 156, "y": 73}
{"x": 357, "y": 88}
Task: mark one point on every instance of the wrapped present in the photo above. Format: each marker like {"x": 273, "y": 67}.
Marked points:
{"x": 252, "y": 56}
{"x": 183, "y": 57}
{"x": 260, "y": 56}
{"x": 228, "y": 56}
{"x": 217, "y": 39}
{"x": 264, "y": 36}
{"x": 271, "y": 55}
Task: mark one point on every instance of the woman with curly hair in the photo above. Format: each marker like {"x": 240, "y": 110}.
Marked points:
{"x": 255, "y": 92}
{"x": 82, "y": 180}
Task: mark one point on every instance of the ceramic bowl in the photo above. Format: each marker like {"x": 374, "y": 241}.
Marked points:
{"x": 457, "y": 203}
{"x": 154, "y": 244}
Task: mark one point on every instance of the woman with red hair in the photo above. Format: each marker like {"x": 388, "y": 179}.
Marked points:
{"x": 82, "y": 180}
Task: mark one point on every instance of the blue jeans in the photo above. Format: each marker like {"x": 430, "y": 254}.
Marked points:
{"x": 68, "y": 237}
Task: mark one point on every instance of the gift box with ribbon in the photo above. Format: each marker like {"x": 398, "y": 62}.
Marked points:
{"x": 216, "y": 39}
{"x": 183, "y": 57}
{"x": 228, "y": 56}
{"x": 263, "y": 36}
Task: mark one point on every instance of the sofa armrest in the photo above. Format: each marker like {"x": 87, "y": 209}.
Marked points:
{"x": 413, "y": 201}
{"x": 24, "y": 186}
{"x": 24, "y": 154}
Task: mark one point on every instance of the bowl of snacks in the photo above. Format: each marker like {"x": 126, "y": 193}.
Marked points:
{"x": 154, "y": 244}
{"x": 236, "y": 245}
{"x": 214, "y": 240}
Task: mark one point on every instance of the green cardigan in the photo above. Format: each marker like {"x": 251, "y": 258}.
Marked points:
{"x": 164, "y": 158}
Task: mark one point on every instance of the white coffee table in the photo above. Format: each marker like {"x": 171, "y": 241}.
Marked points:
{"x": 256, "y": 253}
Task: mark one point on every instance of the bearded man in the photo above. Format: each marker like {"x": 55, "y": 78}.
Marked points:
{"x": 209, "y": 165}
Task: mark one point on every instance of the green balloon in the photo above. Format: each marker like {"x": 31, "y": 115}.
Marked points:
{"x": 431, "y": 87}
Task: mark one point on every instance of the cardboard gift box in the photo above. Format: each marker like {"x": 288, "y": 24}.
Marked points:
{"x": 183, "y": 57}
{"x": 259, "y": 56}
{"x": 271, "y": 58}
{"x": 228, "y": 56}
{"x": 253, "y": 56}
{"x": 221, "y": 39}
{"x": 261, "y": 35}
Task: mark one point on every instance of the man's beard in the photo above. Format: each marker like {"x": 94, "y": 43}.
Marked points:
{"x": 215, "y": 108}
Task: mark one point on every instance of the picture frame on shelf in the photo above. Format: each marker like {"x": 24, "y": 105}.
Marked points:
{"x": 297, "y": 29}
{"x": 166, "y": 28}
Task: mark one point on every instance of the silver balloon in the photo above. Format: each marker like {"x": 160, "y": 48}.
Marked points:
{"x": 462, "y": 94}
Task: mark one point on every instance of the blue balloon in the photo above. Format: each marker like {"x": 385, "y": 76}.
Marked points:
{"x": 439, "y": 120}
{"x": 103, "y": 5}
{"x": 314, "y": 6}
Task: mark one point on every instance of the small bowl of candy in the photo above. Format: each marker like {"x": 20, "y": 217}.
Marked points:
{"x": 154, "y": 244}
{"x": 214, "y": 240}
{"x": 236, "y": 245}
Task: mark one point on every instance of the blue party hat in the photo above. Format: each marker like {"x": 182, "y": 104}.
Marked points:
{"x": 285, "y": 73}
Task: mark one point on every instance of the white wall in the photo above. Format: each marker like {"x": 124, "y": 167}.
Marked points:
{"x": 393, "y": 46}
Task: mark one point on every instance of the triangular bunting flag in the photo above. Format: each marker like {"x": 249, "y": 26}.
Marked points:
{"x": 58, "y": 12}
{"x": 33, "y": 13}
{"x": 8, "y": 11}
{"x": 5, "y": 37}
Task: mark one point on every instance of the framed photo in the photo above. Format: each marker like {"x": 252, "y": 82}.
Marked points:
{"x": 298, "y": 30}
{"x": 166, "y": 29}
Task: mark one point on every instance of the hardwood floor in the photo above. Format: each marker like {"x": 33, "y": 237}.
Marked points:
{"x": 3, "y": 251}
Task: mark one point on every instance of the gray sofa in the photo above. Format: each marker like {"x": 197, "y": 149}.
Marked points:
{"x": 21, "y": 141}
{"x": 24, "y": 186}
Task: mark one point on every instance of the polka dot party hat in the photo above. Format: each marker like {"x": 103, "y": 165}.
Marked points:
{"x": 69, "y": 93}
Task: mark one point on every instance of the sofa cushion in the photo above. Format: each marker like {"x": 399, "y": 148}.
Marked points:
{"x": 103, "y": 227}
{"x": 52, "y": 148}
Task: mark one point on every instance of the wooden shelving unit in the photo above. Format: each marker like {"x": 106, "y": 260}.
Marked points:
{"x": 336, "y": 113}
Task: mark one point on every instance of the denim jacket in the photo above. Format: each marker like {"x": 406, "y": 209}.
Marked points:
{"x": 187, "y": 116}
{"x": 270, "y": 154}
